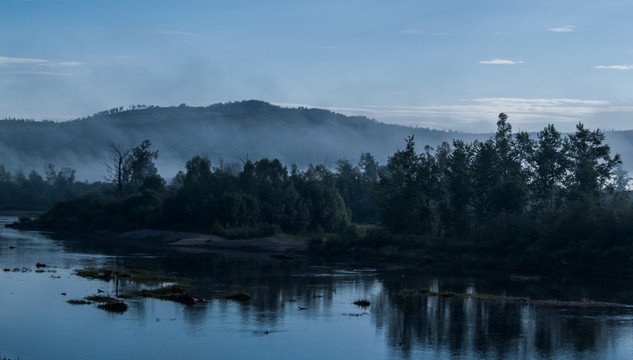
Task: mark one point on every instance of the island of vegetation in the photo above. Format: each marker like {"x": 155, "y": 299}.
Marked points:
{"x": 549, "y": 203}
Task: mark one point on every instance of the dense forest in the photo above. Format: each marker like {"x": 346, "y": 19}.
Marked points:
{"x": 550, "y": 203}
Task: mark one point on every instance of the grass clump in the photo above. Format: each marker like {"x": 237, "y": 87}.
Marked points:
{"x": 362, "y": 303}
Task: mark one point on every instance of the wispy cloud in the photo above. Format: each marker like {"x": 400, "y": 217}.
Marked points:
{"x": 325, "y": 47}
{"x": 14, "y": 60}
{"x": 411, "y": 32}
{"x": 563, "y": 29}
{"x": 500, "y": 62}
{"x": 615, "y": 67}
{"x": 4, "y": 60}
{"x": 62, "y": 63}
{"x": 44, "y": 73}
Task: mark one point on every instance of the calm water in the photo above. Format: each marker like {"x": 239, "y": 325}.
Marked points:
{"x": 37, "y": 323}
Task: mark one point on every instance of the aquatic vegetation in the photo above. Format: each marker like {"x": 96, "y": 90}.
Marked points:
{"x": 362, "y": 303}
{"x": 239, "y": 296}
{"x": 522, "y": 300}
{"x": 176, "y": 292}
{"x": 138, "y": 276}
{"x": 93, "y": 273}
{"x": 108, "y": 303}
{"x": 406, "y": 292}
{"x": 99, "y": 298}
{"x": 78, "y": 302}
{"x": 355, "y": 314}
{"x": 115, "y": 306}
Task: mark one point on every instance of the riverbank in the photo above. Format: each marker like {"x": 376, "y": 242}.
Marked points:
{"x": 188, "y": 241}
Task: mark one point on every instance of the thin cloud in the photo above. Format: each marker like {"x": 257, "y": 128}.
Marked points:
{"x": 411, "y": 32}
{"x": 563, "y": 29}
{"x": 44, "y": 73}
{"x": 528, "y": 114}
{"x": 500, "y": 62}
{"x": 615, "y": 67}
{"x": 13, "y": 60}
{"x": 63, "y": 64}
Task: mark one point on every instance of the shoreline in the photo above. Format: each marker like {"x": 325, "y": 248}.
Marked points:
{"x": 187, "y": 240}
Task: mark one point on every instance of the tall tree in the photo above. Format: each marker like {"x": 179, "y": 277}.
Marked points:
{"x": 401, "y": 200}
{"x": 591, "y": 164}
{"x": 460, "y": 186}
{"x": 550, "y": 166}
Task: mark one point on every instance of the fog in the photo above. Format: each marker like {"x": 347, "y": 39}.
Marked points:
{"x": 228, "y": 134}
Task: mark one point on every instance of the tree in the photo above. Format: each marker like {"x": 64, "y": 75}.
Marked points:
{"x": 402, "y": 202}
{"x": 129, "y": 167}
{"x": 115, "y": 168}
{"x": 460, "y": 186}
{"x": 591, "y": 165}
{"x": 550, "y": 167}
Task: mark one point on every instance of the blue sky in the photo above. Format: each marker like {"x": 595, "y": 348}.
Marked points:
{"x": 438, "y": 64}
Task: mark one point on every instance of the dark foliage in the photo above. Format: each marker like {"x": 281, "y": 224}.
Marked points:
{"x": 557, "y": 203}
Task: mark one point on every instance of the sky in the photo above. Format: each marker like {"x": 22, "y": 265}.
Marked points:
{"x": 438, "y": 64}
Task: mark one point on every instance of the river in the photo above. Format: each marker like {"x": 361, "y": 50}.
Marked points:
{"x": 300, "y": 309}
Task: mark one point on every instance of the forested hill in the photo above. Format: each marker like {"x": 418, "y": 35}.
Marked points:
{"x": 230, "y": 132}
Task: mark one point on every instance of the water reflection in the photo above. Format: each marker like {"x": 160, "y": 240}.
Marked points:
{"x": 294, "y": 303}
{"x": 458, "y": 327}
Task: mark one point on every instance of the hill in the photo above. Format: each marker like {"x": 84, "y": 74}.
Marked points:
{"x": 229, "y": 133}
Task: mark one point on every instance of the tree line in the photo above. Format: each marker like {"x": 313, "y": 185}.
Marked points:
{"x": 554, "y": 201}
{"x": 37, "y": 192}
